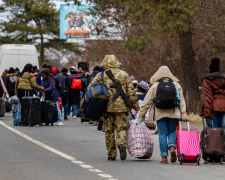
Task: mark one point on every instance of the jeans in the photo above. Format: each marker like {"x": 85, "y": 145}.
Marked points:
{"x": 64, "y": 96}
{"x": 218, "y": 121}
{"x": 167, "y": 129}
{"x": 74, "y": 106}
{"x": 59, "y": 113}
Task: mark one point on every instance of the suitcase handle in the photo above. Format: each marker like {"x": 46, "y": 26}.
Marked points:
{"x": 187, "y": 120}
{"x": 203, "y": 122}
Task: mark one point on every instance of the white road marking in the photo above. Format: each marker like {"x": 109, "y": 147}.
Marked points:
{"x": 66, "y": 156}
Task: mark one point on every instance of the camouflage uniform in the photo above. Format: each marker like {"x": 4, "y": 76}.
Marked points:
{"x": 117, "y": 110}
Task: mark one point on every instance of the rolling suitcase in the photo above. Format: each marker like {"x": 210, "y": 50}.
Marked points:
{"x": 2, "y": 107}
{"x": 212, "y": 144}
{"x": 49, "y": 112}
{"x": 30, "y": 111}
{"x": 188, "y": 146}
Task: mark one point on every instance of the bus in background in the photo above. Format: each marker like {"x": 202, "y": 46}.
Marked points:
{"x": 17, "y": 55}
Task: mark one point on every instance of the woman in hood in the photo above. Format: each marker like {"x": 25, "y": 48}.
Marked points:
{"x": 167, "y": 119}
{"x": 214, "y": 95}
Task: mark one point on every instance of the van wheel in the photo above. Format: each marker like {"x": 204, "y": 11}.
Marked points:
{"x": 68, "y": 35}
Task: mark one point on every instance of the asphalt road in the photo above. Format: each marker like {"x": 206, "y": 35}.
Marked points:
{"x": 77, "y": 151}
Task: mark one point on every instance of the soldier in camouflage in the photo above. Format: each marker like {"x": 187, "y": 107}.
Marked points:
{"x": 117, "y": 111}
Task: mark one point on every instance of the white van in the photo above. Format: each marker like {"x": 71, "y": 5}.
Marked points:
{"x": 17, "y": 55}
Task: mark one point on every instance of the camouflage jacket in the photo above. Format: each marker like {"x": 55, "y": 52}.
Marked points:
{"x": 117, "y": 106}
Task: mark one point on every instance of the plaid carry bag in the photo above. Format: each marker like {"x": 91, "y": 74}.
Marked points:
{"x": 139, "y": 140}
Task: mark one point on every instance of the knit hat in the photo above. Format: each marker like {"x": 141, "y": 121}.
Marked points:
{"x": 132, "y": 78}
{"x": 54, "y": 70}
{"x": 215, "y": 65}
{"x": 73, "y": 67}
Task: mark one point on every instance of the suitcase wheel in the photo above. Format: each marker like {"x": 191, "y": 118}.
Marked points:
{"x": 198, "y": 163}
{"x": 52, "y": 124}
{"x": 181, "y": 163}
{"x": 81, "y": 120}
{"x": 205, "y": 162}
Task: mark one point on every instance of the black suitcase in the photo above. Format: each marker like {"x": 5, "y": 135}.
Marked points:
{"x": 212, "y": 144}
{"x": 2, "y": 107}
{"x": 8, "y": 106}
{"x": 30, "y": 111}
{"x": 49, "y": 112}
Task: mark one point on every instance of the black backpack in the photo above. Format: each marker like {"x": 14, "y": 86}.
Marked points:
{"x": 165, "y": 95}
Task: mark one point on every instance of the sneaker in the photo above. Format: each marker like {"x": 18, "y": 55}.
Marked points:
{"x": 60, "y": 124}
{"x": 68, "y": 116}
{"x": 75, "y": 117}
{"x": 123, "y": 152}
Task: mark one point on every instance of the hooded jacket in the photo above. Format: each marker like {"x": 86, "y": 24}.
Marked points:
{"x": 163, "y": 73}
{"x": 117, "y": 106}
{"x": 213, "y": 94}
{"x": 26, "y": 82}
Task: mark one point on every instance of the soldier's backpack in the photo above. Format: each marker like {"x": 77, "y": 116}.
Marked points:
{"x": 62, "y": 82}
{"x": 76, "y": 84}
{"x": 95, "y": 101}
{"x": 165, "y": 95}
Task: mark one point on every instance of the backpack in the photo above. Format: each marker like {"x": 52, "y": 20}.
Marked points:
{"x": 165, "y": 95}
{"x": 95, "y": 101}
{"x": 76, "y": 84}
{"x": 62, "y": 82}
{"x": 56, "y": 83}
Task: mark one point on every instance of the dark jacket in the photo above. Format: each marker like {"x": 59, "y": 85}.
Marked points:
{"x": 213, "y": 94}
{"x": 74, "y": 94}
{"x": 38, "y": 79}
{"x": 51, "y": 93}
{"x": 84, "y": 81}
{"x": 66, "y": 79}
{"x": 10, "y": 83}
{"x": 92, "y": 76}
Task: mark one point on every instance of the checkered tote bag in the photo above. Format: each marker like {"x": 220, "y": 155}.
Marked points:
{"x": 139, "y": 140}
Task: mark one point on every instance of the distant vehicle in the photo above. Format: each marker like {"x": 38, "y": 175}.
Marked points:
{"x": 17, "y": 55}
{"x": 74, "y": 31}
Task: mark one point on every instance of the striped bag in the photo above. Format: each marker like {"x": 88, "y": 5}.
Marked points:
{"x": 139, "y": 140}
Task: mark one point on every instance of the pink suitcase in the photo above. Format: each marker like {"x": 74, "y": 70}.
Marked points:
{"x": 188, "y": 146}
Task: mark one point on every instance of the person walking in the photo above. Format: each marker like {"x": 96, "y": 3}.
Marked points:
{"x": 117, "y": 111}
{"x": 63, "y": 79}
{"x": 11, "y": 81}
{"x": 4, "y": 75}
{"x": 24, "y": 85}
{"x": 74, "y": 91}
{"x": 213, "y": 89}
{"x": 51, "y": 92}
{"x": 167, "y": 119}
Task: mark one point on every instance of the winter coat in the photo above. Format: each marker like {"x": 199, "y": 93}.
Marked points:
{"x": 74, "y": 94}
{"x": 213, "y": 94}
{"x": 117, "y": 106}
{"x": 84, "y": 81}
{"x": 178, "y": 112}
{"x": 10, "y": 83}
{"x": 51, "y": 93}
{"x": 92, "y": 76}
{"x": 26, "y": 82}
{"x": 66, "y": 79}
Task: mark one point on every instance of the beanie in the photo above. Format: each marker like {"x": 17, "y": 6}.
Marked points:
{"x": 54, "y": 70}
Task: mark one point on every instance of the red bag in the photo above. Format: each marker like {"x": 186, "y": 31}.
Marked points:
{"x": 76, "y": 84}
{"x": 60, "y": 103}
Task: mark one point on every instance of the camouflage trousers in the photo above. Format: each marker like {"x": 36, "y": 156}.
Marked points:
{"x": 115, "y": 122}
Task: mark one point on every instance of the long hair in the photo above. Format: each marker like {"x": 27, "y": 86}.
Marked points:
{"x": 47, "y": 73}
{"x": 27, "y": 68}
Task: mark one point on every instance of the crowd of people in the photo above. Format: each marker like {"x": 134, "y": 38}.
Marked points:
{"x": 71, "y": 85}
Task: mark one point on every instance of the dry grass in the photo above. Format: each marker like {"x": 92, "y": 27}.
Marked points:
{"x": 194, "y": 118}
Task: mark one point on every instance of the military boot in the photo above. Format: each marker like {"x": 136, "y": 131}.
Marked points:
{"x": 123, "y": 152}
